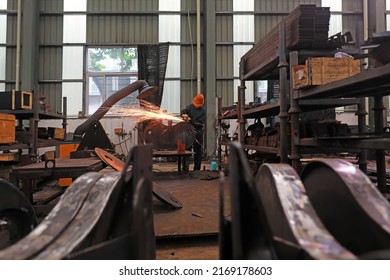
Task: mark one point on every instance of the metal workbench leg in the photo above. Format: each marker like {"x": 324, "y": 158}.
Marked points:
{"x": 380, "y": 154}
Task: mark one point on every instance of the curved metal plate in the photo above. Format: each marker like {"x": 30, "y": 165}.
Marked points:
{"x": 161, "y": 194}
{"x": 166, "y": 197}
{"x": 110, "y": 159}
{"x": 348, "y": 204}
{"x": 249, "y": 233}
{"x": 56, "y": 222}
{"x": 295, "y": 226}
{"x": 87, "y": 218}
{"x": 16, "y": 213}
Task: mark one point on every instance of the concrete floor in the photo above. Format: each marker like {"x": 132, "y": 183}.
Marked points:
{"x": 192, "y": 231}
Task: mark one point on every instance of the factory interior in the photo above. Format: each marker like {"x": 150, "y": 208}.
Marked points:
{"x": 194, "y": 130}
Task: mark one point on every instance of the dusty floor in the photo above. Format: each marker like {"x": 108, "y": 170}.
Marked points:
{"x": 192, "y": 231}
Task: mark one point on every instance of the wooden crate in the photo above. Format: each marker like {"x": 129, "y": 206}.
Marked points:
{"x": 56, "y": 133}
{"x": 7, "y": 128}
{"x": 16, "y": 100}
{"x": 323, "y": 70}
{"x": 12, "y": 156}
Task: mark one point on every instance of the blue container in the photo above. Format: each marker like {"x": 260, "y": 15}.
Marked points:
{"x": 213, "y": 166}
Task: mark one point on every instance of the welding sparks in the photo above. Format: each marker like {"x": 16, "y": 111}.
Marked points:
{"x": 147, "y": 111}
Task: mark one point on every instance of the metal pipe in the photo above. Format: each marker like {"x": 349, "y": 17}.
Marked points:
{"x": 283, "y": 115}
{"x": 199, "y": 78}
{"x": 106, "y": 106}
{"x": 18, "y": 31}
{"x": 294, "y": 112}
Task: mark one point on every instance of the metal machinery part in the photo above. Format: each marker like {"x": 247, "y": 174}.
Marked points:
{"x": 246, "y": 235}
{"x": 142, "y": 85}
{"x": 17, "y": 216}
{"x": 100, "y": 216}
{"x": 297, "y": 232}
{"x": 167, "y": 136}
{"x": 158, "y": 191}
{"x": 95, "y": 136}
{"x": 272, "y": 217}
{"x": 350, "y": 206}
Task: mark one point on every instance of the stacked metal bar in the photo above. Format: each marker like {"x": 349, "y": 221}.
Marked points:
{"x": 306, "y": 27}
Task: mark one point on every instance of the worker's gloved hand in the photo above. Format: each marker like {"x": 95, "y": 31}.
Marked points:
{"x": 185, "y": 117}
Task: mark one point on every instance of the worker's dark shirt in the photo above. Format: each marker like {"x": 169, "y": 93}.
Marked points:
{"x": 197, "y": 118}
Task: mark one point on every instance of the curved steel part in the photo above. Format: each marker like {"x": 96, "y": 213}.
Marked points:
{"x": 87, "y": 218}
{"x": 165, "y": 136}
{"x": 297, "y": 231}
{"x": 160, "y": 193}
{"x": 110, "y": 159}
{"x": 106, "y": 106}
{"x": 250, "y": 236}
{"x": 348, "y": 204}
{"x": 17, "y": 216}
{"x": 56, "y": 222}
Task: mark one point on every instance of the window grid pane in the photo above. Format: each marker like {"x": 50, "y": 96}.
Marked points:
{"x": 247, "y": 5}
{"x": 112, "y": 60}
{"x": 75, "y": 5}
{"x": 2, "y": 87}
{"x": 335, "y": 6}
{"x": 238, "y": 52}
{"x": 75, "y": 27}
{"x": 243, "y": 27}
{"x": 169, "y": 28}
{"x": 335, "y": 24}
{"x": 169, "y": 5}
{"x": 72, "y": 63}
{"x": 74, "y": 94}
{"x": 388, "y": 22}
{"x": 3, "y": 4}
{"x": 3, "y": 29}
{"x": 173, "y": 66}
{"x": 2, "y": 63}
{"x": 171, "y": 97}
{"x": 248, "y": 91}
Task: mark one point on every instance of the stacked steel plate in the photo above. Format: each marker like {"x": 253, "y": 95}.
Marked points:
{"x": 306, "y": 27}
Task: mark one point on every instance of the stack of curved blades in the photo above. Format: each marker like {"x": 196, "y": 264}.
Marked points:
{"x": 297, "y": 232}
{"x": 100, "y": 216}
{"x": 350, "y": 206}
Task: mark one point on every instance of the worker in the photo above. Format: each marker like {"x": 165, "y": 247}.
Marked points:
{"x": 195, "y": 113}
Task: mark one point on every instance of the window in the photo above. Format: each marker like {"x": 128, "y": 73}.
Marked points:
{"x": 109, "y": 70}
{"x": 336, "y": 20}
{"x": 3, "y": 4}
{"x": 75, "y": 5}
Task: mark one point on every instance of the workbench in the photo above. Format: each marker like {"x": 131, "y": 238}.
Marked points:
{"x": 181, "y": 157}
{"x": 57, "y": 168}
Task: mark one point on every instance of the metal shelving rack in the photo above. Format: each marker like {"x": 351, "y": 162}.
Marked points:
{"x": 350, "y": 91}
{"x": 34, "y": 116}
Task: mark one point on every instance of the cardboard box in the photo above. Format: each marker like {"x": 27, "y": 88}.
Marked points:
{"x": 323, "y": 70}
{"x": 16, "y": 100}
{"x": 7, "y": 128}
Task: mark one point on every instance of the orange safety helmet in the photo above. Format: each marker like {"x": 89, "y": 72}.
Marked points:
{"x": 198, "y": 100}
